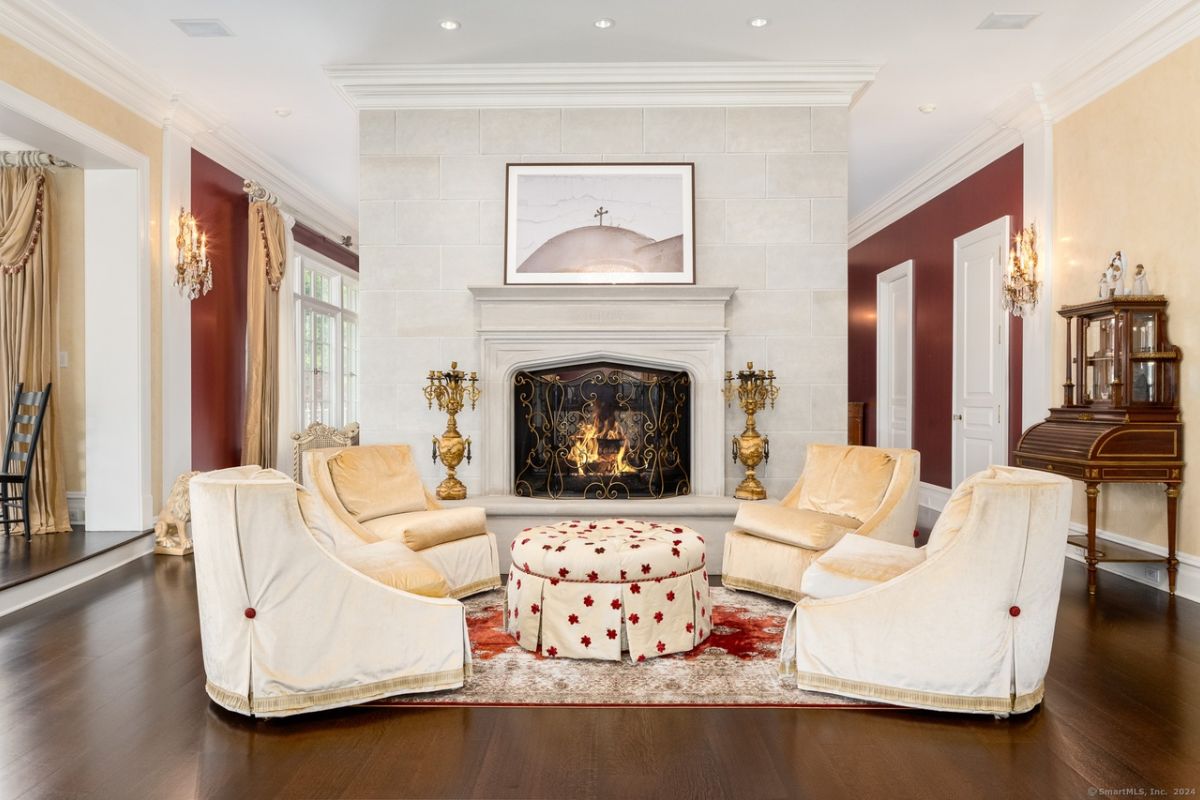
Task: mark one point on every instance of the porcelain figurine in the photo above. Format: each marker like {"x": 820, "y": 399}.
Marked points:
{"x": 1116, "y": 274}
{"x": 1141, "y": 283}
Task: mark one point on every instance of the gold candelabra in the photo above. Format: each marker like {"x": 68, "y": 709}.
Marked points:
{"x": 754, "y": 390}
{"x": 1021, "y": 283}
{"x": 451, "y": 389}
{"x": 193, "y": 269}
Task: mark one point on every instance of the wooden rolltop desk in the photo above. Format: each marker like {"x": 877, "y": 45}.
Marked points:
{"x": 1120, "y": 420}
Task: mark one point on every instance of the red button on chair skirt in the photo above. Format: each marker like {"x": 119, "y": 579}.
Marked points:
{"x": 250, "y": 613}
{"x": 1015, "y": 611}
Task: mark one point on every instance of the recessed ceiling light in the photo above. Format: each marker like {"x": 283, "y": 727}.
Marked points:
{"x": 928, "y": 108}
{"x": 603, "y": 24}
{"x": 283, "y": 111}
{"x": 203, "y": 28}
{"x": 450, "y": 24}
{"x": 1002, "y": 21}
{"x": 758, "y": 22}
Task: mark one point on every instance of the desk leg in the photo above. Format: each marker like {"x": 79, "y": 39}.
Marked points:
{"x": 1093, "y": 491}
{"x": 1172, "y": 520}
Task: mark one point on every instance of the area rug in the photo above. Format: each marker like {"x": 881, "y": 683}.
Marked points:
{"x": 736, "y": 666}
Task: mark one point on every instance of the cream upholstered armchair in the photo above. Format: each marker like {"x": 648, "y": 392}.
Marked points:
{"x": 376, "y": 493}
{"x": 962, "y": 624}
{"x": 289, "y": 626}
{"x": 867, "y": 491}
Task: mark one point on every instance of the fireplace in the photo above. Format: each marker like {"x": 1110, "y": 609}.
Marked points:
{"x": 601, "y": 430}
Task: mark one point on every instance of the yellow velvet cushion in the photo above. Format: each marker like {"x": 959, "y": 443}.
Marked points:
{"x": 393, "y": 564}
{"x": 422, "y": 529}
{"x": 374, "y": 482}
{"x": 798, "y": 527}
{"x": 390, "y": 563}
{"x": 847, "y": 481}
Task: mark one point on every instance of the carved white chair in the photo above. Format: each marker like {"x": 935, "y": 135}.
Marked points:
{"x": 376, "y": 493}
{"x": 964, "y": 624}
{"x": 317, "y": 436}
{"x": 865, "y": 491}
{"x": 289, "y": 625}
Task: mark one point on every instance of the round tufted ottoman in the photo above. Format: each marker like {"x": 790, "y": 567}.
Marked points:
{"x": 590, "y": 589}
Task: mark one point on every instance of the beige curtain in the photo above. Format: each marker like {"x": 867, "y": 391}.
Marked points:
{"x": 268, "y": 260}
{"x": 29, "y": 328}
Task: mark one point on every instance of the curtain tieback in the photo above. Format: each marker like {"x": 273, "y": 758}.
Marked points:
{"x": 35, "y": 233}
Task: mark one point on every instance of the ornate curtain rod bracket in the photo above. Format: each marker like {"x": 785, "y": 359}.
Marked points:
{"x": 32, "y": 158}
{"x": 259, "y": 193}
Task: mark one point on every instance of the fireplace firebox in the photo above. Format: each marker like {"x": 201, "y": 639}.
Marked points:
{"x": 602, "y": 430}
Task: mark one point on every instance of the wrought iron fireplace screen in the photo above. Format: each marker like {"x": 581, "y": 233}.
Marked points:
{"x": 602, "y": 430}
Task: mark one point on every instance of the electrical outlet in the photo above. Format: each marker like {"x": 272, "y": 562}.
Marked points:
{"x": 62, "y": 359}
{"x": 1154, "y": 574}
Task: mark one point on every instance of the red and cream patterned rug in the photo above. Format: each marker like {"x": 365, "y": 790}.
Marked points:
{"x": 736, "y": 666}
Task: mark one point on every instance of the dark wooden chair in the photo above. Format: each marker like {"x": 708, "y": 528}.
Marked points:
{"x": 20, "y": 449}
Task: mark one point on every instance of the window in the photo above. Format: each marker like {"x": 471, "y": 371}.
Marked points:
{"x": 327, "y": 330}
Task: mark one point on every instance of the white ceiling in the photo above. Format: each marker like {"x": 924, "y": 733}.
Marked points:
{"x": 930, "y": 49}
{"x": 9, "y": 144}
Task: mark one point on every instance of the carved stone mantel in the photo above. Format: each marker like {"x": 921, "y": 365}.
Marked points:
{"x": 677, "y": 327}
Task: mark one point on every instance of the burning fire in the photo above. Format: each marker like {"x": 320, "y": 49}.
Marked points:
{"x": 598, "y": 447}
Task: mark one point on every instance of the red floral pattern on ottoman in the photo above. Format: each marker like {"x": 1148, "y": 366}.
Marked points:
{"x": 590, "y": 580}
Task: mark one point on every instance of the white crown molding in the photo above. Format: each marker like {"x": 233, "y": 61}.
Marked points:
{"x": 1148, "y": 36}
{"x": 387, "y": 86}
{"x": 63, "y": 40}
{"x": 981, "y": 147}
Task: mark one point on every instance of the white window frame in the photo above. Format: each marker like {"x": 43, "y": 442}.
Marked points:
{"x": 306, "y": 258}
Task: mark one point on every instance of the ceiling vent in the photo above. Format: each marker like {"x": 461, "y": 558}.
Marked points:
{"x": 203, "y": 28}
{"x": 1001, "y": 21}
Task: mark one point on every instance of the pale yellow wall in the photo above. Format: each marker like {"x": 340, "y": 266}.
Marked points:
{"x": 67, "y": 199}
{"x": 37, "y": 77}
{"x": 1127, "y": 176}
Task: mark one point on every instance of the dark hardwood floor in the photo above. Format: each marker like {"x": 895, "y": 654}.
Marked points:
{"x": 101, "y": 696}
{"x": 22, "y": 561}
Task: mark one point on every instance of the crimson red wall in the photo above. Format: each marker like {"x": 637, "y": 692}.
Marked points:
{"x": 219, "y": 318}
{"x": 926, "y": 235}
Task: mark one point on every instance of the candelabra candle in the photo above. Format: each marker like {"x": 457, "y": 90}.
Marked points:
{"x": 755, "y": 390}
{"x": 1021, "y": 283}
{"x": 193, "y": 270}
{"x": 451, "y": 389}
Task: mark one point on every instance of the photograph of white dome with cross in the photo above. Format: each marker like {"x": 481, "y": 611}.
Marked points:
{"x": 599, "y": 223}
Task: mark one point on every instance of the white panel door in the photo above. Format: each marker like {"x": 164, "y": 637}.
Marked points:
{"x": 893, "y": 356}
{"x": 980, "y": 423}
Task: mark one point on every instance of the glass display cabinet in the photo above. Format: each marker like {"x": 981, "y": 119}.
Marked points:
{"x": 1120, "y": 420}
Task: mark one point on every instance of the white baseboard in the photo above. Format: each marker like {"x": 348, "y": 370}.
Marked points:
{"x": 21, "y": 595}
{"x": 1187, "y": 583}
{"x": 933, "y": 497}
{"x": 75, "y": 507}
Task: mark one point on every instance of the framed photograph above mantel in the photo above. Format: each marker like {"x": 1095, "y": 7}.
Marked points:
{"x": 599, "y": 224}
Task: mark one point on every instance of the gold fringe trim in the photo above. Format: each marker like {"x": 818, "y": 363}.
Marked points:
{"x": 475, "y": 588}
{"x": 227, "y": 699}
{"x": 750, "y": 585}
{"x": 915, "y": 697}
{"x": 312, "y": 701}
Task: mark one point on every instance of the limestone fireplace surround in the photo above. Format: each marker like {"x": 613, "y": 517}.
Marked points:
{"x": 673, "y": 327}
